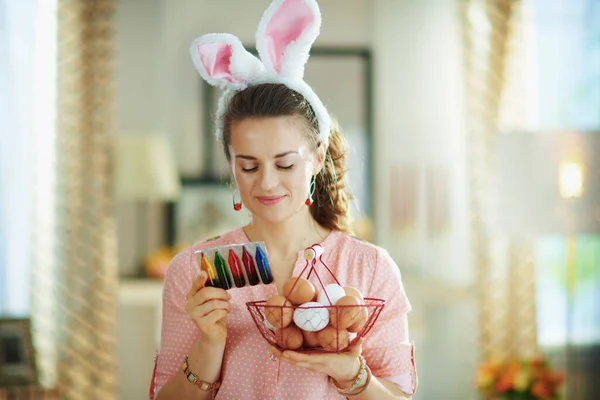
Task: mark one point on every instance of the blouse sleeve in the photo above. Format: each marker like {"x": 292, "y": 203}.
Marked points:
{"x": 387, "y": 348}
{"x": 178, "y": 332}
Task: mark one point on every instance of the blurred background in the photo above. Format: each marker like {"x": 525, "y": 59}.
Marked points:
{"x": 475, "y": 135}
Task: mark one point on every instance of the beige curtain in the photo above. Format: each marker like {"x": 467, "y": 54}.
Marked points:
{"x": 75, "y": 278}
{"x": 493, "y": 34}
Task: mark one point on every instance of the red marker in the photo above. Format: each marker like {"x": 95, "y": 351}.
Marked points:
{"x": 236, "y": 269}
{"x": 250, "y": 267}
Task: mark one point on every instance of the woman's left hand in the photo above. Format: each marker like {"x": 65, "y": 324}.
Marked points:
{"x": 343, "y": 367}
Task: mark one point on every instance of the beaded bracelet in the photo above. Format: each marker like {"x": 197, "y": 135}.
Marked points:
{"x": 363, "y": 387}
{"x": 362, "y": 371}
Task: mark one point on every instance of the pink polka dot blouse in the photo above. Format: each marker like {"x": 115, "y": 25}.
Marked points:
{"x": 248, "y": 370}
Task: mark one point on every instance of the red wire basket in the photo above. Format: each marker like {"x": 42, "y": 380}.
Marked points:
{"x": 331, "y": 325}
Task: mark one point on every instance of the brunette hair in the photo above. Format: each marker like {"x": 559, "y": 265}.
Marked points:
{"x": 331, "y": 196}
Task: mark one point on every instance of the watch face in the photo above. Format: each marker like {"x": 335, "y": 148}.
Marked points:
{"x": 191, "y": 377}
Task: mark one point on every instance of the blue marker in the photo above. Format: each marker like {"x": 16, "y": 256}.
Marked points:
{"x": 262, "y": 265}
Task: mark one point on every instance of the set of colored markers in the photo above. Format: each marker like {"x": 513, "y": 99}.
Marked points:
{"x": 235, "y": 265}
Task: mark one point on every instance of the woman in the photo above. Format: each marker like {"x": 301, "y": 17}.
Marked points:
{"x": 289, "y": 165}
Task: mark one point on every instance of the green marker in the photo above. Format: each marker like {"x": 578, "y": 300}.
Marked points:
{"x": 224, "y": 278}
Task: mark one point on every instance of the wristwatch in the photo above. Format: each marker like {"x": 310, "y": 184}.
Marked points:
{"x": 194, "y": 379}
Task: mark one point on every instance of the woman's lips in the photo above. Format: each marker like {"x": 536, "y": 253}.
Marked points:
{"x": 270, "y": 200}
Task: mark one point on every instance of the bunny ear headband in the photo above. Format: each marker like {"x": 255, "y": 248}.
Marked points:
{"x": 286, "y": 32}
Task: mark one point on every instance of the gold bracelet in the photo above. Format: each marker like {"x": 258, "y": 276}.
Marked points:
{"x": 362, "y": 371}
{"x": 195, "y": 380}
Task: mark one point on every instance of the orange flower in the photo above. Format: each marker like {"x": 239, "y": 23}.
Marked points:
{"x": 541, "y": 389}
{"x": 484, "y": 379}
{"x": 492, "y": 367}
{"x": 504, "y": 385}
{"x": 532, "y": 377}
{"x": 514, "y": 365}
{"x": 509, "y": 374}
{"x": 487, "y": 374}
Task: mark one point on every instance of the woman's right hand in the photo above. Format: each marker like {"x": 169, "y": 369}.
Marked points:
{"x": 208, "y": 308}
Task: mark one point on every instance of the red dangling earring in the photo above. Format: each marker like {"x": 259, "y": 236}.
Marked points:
{"x": 237, "y": 206}
{"x": 309, "y": 201}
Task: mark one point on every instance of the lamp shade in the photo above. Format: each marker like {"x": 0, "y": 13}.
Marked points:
{"x": 146, "y": 168}
{"x": 549, "y": 183}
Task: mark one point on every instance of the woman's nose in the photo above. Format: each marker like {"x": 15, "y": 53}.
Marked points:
{"x": 268, "y": 179}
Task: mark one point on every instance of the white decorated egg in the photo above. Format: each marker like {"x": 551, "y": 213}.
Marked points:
{"x": 311, "y": 316}
{"x": 334, "y": 291}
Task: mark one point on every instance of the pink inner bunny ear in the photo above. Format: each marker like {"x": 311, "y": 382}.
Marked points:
{"x": 216, "y": 58}
{"x": 288, "y": 23}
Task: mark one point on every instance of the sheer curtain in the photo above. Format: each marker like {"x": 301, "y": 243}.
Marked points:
{"x": 498, "y": 98}
{"x": 17, "y": 104}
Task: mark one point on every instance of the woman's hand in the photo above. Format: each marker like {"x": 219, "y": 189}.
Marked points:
{"x": 342, "y": 367}
{"x": 208, "y": 308}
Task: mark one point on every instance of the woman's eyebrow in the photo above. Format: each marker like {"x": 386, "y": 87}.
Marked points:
{"x": 245, "y": 157}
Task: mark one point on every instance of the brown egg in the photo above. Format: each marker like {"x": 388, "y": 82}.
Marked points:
{"x": 303, "y": 292}
{"x": 333, "y": 339}
{"x": 316, "y": 296}
{"x": 352, "y": 291}
{"x": 311, "y": 339}
{"x": 279, "y": 311}
{"x": 289, "y": 338}
{"x": 347, "y": 312}
{"x": 361, "y": 320}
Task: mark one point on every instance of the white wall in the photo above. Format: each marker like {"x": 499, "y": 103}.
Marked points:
{"x": 418, "y": 119}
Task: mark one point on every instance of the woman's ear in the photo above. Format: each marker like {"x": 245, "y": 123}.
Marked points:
{"x": 232, "y": 164}
{"x": 321, "y": 156}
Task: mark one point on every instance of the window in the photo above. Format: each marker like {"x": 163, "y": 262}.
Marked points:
{"x": 27, "y": 126}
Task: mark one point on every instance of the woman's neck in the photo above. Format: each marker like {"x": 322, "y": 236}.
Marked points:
{"x": 287, "y": 238}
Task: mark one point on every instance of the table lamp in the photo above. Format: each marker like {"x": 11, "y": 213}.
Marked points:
{"x": 146, "y": 172}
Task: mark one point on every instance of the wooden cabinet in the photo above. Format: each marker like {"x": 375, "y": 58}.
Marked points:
{"x": 32, "y": 392}
{"x": 139, "y": 316}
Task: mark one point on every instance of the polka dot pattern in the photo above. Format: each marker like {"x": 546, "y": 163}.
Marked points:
{"x": 248, "y": 371}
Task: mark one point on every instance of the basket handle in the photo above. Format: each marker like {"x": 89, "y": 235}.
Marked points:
{"x": 313, "y": 254}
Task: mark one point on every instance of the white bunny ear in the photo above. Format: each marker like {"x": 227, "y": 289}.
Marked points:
{"x": 222, "y": 61}
{"x": 285, "y": 34}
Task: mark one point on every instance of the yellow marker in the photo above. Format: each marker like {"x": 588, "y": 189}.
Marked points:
{"x": 207, "y": 267}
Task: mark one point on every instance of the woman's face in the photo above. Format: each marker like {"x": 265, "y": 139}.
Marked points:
{"x": 272, "y": 163}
